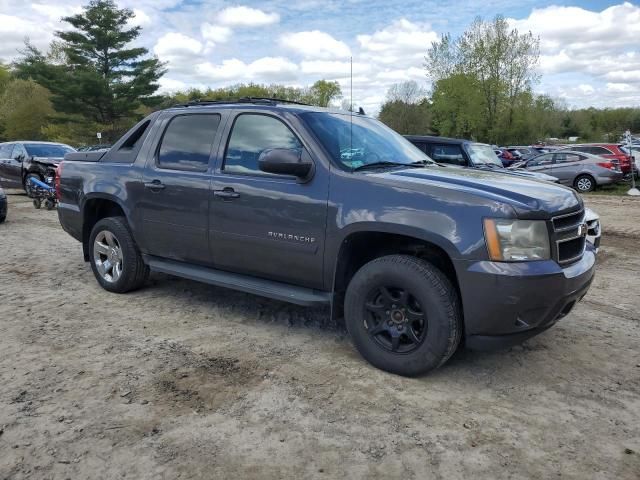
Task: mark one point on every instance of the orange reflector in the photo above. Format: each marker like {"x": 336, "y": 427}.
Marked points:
{"x": 493, "y": 242}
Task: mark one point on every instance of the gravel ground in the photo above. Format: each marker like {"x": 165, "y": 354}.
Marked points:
{"x": 186, "y": 380}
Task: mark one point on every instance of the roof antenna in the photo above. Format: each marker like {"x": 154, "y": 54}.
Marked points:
{"x": 351, "y": 106}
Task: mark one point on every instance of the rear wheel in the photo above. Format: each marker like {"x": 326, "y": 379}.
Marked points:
{"x": 403, "y": 315}
{"x": 114, "y": 256}
{"x": 584, "y": 183}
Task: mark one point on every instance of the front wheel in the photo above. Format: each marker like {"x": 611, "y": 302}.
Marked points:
{"x": 585, "y": 183}
{"x": 403, "y": 315}
{"x": 114, "y": 256}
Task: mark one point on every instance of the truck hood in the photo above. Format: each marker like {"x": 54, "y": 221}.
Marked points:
{"x": 529, "y": 198}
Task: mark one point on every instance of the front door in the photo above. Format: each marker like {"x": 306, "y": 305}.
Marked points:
{"x": 10, "y": 166}
{"x": 541, "y": 164}
{"x": 174, "y": 207}
{"x": 266, "y": 225}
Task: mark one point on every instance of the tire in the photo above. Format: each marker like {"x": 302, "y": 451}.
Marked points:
{"x": 37, "y": 203}
{"x": 377, "y": 310}
{"x": 116, "y": 248}
{"x": 27, "y": 183}
{"x": 584, "y": 183}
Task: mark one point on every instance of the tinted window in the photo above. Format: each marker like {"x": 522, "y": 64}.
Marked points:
{"x": 599, "y": 151}
{"x": 46, "y": 150}
{"x": 187, "y": 142}
{"x": 5, "y": 150}
{"x": 253, "y": 134}
{"x": 448, "y": 154}
{"x": 567, "y": 157}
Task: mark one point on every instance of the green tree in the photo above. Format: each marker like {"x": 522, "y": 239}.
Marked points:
{"x": 498, "y": 61}
{"x": 407, "y": 109}
{"x": 93, "y": 71}
{"x": 25, "y": 109}
{"x": 323, "y": 92}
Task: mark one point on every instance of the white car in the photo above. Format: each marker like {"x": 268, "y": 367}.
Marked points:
{"x": 594, "y": 230}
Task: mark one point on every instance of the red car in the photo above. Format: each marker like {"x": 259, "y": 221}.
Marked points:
{"x": 611, "y": 151}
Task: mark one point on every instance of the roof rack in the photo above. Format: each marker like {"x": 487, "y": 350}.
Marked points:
{"x": 257, "y": 100}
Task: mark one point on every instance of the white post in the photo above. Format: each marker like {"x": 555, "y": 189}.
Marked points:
{"x": 633, "y": 191}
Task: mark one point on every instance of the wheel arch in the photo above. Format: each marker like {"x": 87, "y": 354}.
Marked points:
{"x": 96, "y": 207}
{"x": 361, "y": 246}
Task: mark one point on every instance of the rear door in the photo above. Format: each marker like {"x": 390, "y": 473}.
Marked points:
{"x": 566, "y": 167}
{"x": 175, "y": 202}
{"x": 10, "y": 166}
{"x": 266, "y": 225}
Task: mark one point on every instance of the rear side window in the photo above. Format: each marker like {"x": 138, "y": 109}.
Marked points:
{"x": 251, "y": 135}
{"x": 567, "y": 157}
{"x": 5, "y": 150}
{"x": 451, "y": 154}
{"x": 187, "y": 142}
{"x": 546, "y": 159}
{"x": 599, "y": 151}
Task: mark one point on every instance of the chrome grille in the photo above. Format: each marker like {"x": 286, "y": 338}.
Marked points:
{"x": 569, "y": 235}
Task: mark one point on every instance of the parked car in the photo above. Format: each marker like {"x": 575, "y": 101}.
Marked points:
{"x": 257, "y": 196}
{"x": 21, "y": 160}
{"x": 506, "y": 157}
{"x": 3, "y": 206}
{"x": 582, "y": 171}
{"x": 611, "y": 151}
{"x": 594, "y": 229}
{"x": 94, "y": 148}
{"x": 465, "y": 153}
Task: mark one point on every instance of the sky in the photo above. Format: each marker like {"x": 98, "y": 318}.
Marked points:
{"x": 590, "y": 50}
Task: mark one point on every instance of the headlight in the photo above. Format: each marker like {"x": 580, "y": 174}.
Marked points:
{"x": 516, "y": 240}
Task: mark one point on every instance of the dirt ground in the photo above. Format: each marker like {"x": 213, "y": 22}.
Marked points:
{"x": 184, "y": 380}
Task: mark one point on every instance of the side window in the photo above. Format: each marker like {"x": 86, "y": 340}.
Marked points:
{"x": 567, "y": 157}
{"x": 421, "y": 146}
{"x": 18, "y": 152}
{"x": 187, "y": 142}
{"x": 448, "y": 154}
{"x": 251, "y": 135}
{"x": 546, "y": 159}
{"x": 582, "y": 149}
{"x": 599, "y": 151}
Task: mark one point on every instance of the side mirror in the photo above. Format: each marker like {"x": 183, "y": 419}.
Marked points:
{"x": 285, "y": 161}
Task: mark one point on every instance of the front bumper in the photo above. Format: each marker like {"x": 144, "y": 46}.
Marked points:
{"x": 506, "y": 303}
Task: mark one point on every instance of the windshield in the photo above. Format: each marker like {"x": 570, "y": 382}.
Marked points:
{"x": 46, "y": 150}
{"x": 356, "y": 141}
{"x": 483, "y": 155}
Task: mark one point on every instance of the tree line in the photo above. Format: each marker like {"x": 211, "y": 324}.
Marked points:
{"x": 93, "y": 78}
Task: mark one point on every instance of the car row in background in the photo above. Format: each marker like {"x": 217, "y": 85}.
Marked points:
{"x": 467, "y": 154}
{"x": 21, "y": 160}
{"x": 582, "y": 171}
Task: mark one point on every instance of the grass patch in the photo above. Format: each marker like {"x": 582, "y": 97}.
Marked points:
{"x": 618, "y": 189}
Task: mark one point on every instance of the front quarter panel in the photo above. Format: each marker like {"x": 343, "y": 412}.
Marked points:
{"x": 448, "y": 218}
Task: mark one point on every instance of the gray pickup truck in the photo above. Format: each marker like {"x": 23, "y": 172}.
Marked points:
{"x": 319, "y": 207}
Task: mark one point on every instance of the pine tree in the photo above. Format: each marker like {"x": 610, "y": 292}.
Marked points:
{"x": 93, "y": 72}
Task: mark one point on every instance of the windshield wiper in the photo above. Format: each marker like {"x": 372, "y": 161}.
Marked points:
{"x": 384, "y": 164}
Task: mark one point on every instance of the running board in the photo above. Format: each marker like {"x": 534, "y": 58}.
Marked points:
{"x": 306, "y": 297}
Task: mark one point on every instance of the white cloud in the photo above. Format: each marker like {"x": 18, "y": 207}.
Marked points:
{"x": 178, "y": 50}
{"x": 13, "y": 32}
{"x": 242, "y": 16}
{"x": 215, "y": 33}
{"x": 140, "y": 19}
{"x": 315, "y": 44}
{"x": 266, "y": 69}
{"x": 402, "y": 43}
{"x": 56, "y": 12}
